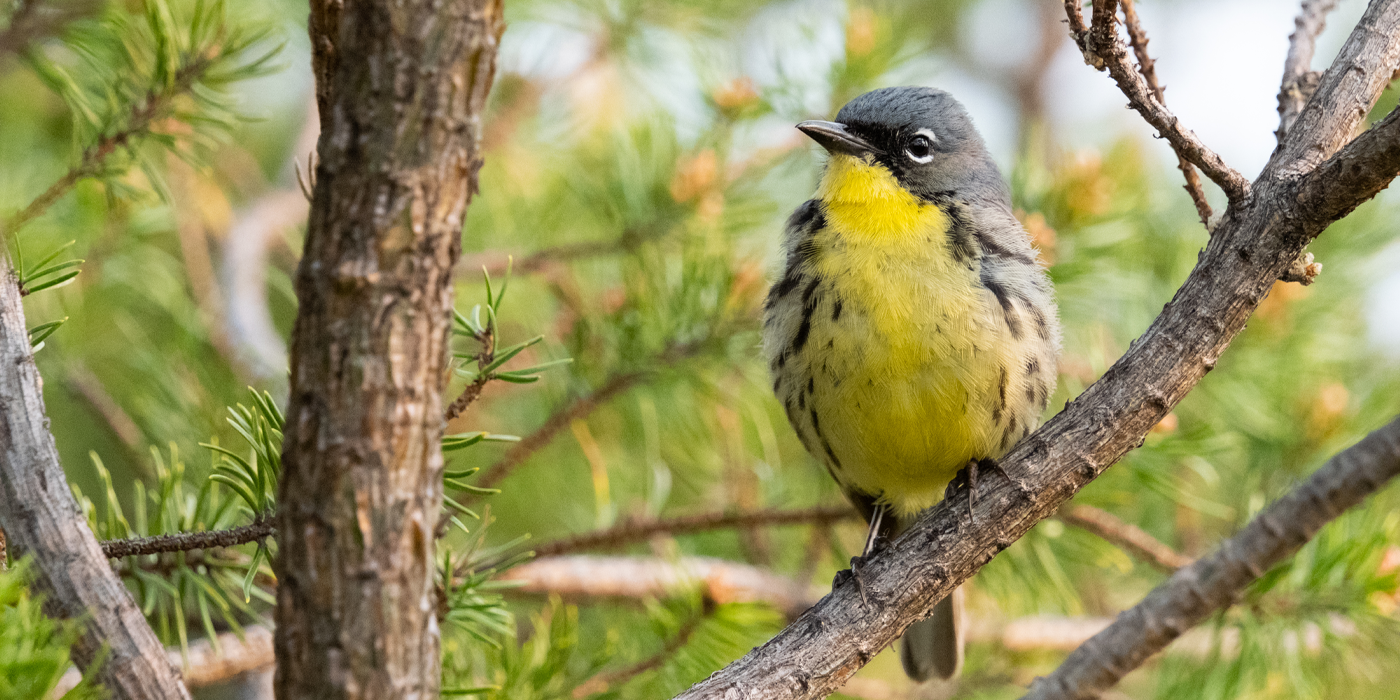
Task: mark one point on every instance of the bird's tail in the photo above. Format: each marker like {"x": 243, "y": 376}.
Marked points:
{"x": 933, "y": 647}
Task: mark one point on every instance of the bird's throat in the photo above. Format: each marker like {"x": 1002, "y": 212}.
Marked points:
{"x": 863, "y": 200}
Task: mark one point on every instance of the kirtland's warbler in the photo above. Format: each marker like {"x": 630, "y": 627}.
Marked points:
{"x": 913, "y": 331}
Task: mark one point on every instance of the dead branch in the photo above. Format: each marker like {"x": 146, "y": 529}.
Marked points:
{"x": 208, "y": 663}
{"x": 630, "y": 532}
{"x": 1215, "y": 582}
{"x": 1104, "y": 49}
{"x": 1126, "y": 536}
{"x": 1299, "y": 79}
{"x": 40, "y": 517}
{"x": 585, "y": 576}
{"x": 1137, "y": 36}
{"x": 243, "y": 279}
{"x": 186, "y": 541}
{"x": 1257, "y": 239}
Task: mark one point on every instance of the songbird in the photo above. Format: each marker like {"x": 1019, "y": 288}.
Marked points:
{"x": 913, "y": 331}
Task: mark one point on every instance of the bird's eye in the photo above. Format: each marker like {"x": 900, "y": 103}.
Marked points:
{"x": 920, "y": 147}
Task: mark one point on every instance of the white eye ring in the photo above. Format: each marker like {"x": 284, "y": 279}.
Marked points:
{"x": 928, "y": 156}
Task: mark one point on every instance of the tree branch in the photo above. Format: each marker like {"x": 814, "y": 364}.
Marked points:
{"x": 32, "y": 20}
{"x": 1214, "y": 582}
{"x": 1126, "y": 536}
{"x": 142, "y": 117}
{"x": 185, "y": 541}
{"x": 40, "y": 517}
{"x": 206, "y": 663}
{"x": 1299, "y": 80}
{"x": 1103, "y": 49}
{"x": 576, "y": 409}
{"x": 1256, "y": 241}
{"x": 1137, "y": 36}
{"x": 630, "y": 532}
{"x": 587, "y": 576}
{"x": 1346, "y": 92}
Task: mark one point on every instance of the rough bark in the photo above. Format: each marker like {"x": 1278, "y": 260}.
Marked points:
{"x": 400, "y": 88}
{"x": 40, "y": 517}
{"x": 1215, "y": 582}
{"x": 1262, "y": 232}
{"x": 1299, "y": 80}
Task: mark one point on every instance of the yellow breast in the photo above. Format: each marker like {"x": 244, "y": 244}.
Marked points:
{"x": 904, "y": 355}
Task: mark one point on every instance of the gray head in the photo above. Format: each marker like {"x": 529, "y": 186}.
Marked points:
{"x": 922, "y": 135}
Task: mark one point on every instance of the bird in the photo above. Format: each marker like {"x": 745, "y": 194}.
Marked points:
{"x": 913, "y": 332}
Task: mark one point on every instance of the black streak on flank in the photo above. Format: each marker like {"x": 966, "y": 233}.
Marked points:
{"x": 1010, "y": 431}
{"x": 1001, "y": 398}
{"x": 810, "y": 291}
{"x": 802, "y": 332}
{"x": 836, "y": 309}
{"x": 1008, "y": 309}
{"x": 1032, "y": 367}
{"x": 782, "y": 288}
{"x": 826, "y": 445}
{"x": 960, "y": 242}
{"x": 993, "y": 249}
{"x": 1041, "y": 327}
{"x": 808, "y": 306}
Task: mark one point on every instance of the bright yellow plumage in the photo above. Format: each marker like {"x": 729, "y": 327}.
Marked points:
{"x": 902, "y": 379}
{"x": 913, "y": 331}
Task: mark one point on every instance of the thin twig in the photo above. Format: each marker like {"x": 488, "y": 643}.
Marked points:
{"x": 185, "y": 541}
{"x": 1104, "y": 49}
{"x": 632, "y": 532}
{"x": 32, "y": 20}
{"x": 1299, "y": 80}
{"x": 640, "y": 578}
{"x": 1215, "y": 582}
{"x": 577, "y": 409}
{"x": 600, "y": 682}
{"x": 1137, "y": 36}
{"x": 472, "y": 391}
{"x": 142, "y": 117}
{"x": 1125, "y": 536}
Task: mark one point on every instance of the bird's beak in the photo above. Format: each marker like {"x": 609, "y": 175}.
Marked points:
{"x": 836, "y": 138}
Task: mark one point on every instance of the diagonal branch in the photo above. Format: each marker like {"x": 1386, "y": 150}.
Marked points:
{"x": 1299, "y": 80}
{"x": 40, "y": 518}
{"x": 617, "y": 383}
{"x": 1256, "y": 241}
{"x": 1215, "y": 582}
{"x": 1137, "y": 36}
{"x": 1346, "y": 92}
{"x": 1104, "y": 49}
{"x": 1126, "y": 536}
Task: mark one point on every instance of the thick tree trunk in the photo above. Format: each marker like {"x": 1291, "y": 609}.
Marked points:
{"x": 401, "y": 87}
{"x": 40, "y": 517}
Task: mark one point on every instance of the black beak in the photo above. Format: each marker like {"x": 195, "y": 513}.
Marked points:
{"x": 836, "y": 138}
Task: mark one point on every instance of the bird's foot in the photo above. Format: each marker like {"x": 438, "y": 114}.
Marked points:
{"x": 857, "y": 563}
{"x": 968, "y": 476}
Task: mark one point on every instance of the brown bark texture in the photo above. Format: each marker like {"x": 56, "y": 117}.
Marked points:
{"x": 401, "y": 88}
{"x": 1314, "y": 178}
{"x": 1215, "y": 582}
{"x": 40, "y": 517}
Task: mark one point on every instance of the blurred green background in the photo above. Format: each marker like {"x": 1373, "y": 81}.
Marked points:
{"x": 640, "y": 162}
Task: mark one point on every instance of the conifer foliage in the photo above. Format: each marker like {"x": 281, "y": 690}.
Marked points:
{"x": 603, "y": 399}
